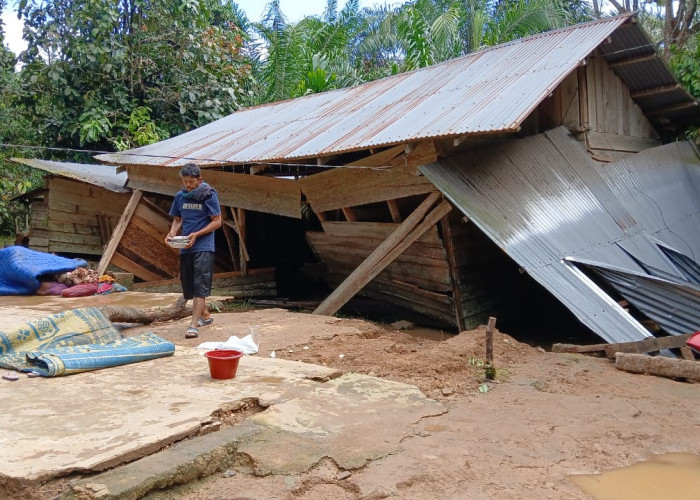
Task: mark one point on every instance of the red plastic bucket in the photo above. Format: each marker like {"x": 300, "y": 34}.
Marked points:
{"x": 223, "y": 364}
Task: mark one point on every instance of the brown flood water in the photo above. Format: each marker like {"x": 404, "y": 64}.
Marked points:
{"x": 672, "y": 476}
{"x": 18, "y": 309}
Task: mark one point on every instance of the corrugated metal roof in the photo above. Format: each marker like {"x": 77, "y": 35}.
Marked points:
{"x": 543, "y": 200}
{"x": 674, "y": 305}
{"x": 99, "y": 175}
{"x": 493, "y": 90}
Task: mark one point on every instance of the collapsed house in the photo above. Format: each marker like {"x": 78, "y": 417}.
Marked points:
{"x": 86, "y": 210}
{"x": 77, "y": 209}
{"x": 546, "y": 150}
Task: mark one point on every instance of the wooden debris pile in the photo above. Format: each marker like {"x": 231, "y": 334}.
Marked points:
{"x": 634, "y": 356}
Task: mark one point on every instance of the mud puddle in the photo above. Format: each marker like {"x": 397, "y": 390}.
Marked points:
{"x": 672, "y": 476}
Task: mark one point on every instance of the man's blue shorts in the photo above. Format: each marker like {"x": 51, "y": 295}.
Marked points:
{"x": 196, "y": 270}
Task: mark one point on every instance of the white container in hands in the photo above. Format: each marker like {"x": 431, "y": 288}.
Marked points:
{"x": 179, "y": 241}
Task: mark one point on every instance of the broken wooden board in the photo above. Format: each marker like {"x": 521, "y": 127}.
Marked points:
{"x": 137, "y": 244}
{"x": 251, "y": 192}
{"x": 649, "y": 344}
{"x": 347, "y": 187}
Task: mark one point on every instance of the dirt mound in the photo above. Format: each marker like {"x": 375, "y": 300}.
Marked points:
{"x": 437, "y": 367}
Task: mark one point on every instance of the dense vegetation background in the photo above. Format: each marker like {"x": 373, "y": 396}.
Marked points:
{"x": 105, "y": 75}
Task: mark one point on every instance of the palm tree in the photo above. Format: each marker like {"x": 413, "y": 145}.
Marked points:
{"x": 424, "y": 32}
{"x": 313, "y": 55}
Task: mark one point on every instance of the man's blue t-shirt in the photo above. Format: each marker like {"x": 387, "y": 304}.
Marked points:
{"x": 196, "y": 214}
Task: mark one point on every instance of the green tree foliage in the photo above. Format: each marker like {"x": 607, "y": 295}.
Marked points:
{"x": 313, "y": 55}
{"x": 15, "y": 128}
{"x": 111, "y": 74}
{"x": 424, "y": 32}
{"x": 685, "y": 62}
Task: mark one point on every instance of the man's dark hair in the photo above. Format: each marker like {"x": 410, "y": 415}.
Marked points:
{"x": 190, "y": 170}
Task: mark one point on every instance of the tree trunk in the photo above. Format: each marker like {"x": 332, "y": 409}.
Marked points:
{"x": 128, "y": 314}
{"x": 663, "y": 367}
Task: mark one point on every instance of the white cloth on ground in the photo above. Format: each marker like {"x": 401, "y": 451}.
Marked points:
{"x": 246, "y": 345}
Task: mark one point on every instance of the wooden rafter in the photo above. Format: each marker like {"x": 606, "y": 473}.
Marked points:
{"x": 405, "y": 234}
{"x": 119, "y": 231}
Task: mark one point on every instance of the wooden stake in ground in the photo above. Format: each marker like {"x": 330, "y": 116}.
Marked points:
{"x": 489, "y": 369}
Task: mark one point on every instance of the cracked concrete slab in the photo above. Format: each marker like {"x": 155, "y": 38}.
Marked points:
{"x": 125, "y": 415}
{"x": 95, "y": 420}
{"x": 345, "y": 420}
{"x": 352, "y": 420}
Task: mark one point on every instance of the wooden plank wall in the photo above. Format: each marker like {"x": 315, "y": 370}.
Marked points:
{"x": 480, "y": 265}
{"x": 73, "y": 209}
{"x": 618, "y": 126}
{"x": 344, "y": 245}
{"x": 614, "y": 125}
{"x": 39, "y": 224}
{"x": 419, "y": 278}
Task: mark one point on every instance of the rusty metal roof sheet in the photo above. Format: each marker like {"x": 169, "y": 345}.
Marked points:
{"x": 493, "y": 90}
{"x": 99, "y": 175}
{"x": 548, "y": 205}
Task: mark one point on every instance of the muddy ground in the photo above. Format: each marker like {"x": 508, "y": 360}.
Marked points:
{"x": 545, "y": 417}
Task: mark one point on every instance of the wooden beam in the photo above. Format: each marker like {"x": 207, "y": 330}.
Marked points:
{"x": 349, "y": 214}
{"x": 408, "y": 232}
{"x": 227, "y": 226}
{"x": 129, "y": 265}
{"x": 350, "y": 187}
{"x": 649, "y": 344}
{"x": 454, "y": 272}
{"x": 654, "y": 91}
{"x": 633, "y": 60}
{"x": 240, "y": 222}
{"x": 379, "y": 159}
{"x": 394, "y": 210}
{"x": 119, "y": 231}
{"x": 243, "y": 249}
{"x": 583, "y": 118}
{"x": 672, "y": 109}
{"x": 252, "y": 192}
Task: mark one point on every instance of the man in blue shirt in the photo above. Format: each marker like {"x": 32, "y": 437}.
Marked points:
{"x": 197, "y": 213}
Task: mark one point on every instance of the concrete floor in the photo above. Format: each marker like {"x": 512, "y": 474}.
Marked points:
{"x": 97, "y": 420}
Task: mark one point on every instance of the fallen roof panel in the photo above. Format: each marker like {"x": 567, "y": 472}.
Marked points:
{"x": 542, "y": 199}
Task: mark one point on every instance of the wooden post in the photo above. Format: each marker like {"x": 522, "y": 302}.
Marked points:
{"x": 226, "y": 226}
{"x": 687, "y": 353}
{"x": 394, "y": 210}
{"x": 489, "y": 339}
{"x": 349, "y": 214}
{"x": 402, "y": 237}
{"x": 454, "y": 272}
{"x": 119, "y": 231}
{"x": 581, "y": 74}
{"x": 241, "y": 242}
{"x": 489, "y": 369}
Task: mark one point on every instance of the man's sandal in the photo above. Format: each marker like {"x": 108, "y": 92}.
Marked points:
{"x": 205, "y": 322}
{"x": 192, "y": 333}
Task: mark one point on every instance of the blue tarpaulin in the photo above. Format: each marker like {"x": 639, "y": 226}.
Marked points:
{"x": 21, "y": 267}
